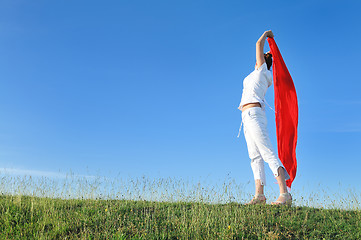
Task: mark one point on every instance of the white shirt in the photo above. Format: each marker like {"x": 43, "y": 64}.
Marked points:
{"x": 255, "y": 86}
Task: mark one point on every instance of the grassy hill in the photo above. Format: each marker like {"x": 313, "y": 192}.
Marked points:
{"x": 26, "y": 217}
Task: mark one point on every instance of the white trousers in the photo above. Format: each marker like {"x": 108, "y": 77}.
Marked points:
{"x": 259, "y": 145}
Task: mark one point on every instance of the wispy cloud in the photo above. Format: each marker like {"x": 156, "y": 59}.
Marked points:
{"x": 38, "y": 173}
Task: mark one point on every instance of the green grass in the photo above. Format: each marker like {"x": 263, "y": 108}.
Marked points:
{"x": 88, "y": 207}
{"x": 30, "y": 217}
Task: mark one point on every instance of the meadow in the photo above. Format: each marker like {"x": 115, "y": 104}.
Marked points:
{"x": 76, "y": 207}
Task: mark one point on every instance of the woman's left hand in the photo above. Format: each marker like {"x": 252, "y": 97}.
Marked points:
{"x": 269, "y": 34}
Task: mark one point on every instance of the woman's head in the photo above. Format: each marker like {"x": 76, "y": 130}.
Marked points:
{"x": 268, "y": 58}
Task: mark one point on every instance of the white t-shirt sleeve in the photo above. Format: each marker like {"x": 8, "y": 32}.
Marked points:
{"x": 264, "y": 70}
{"x": 263, "y": 67}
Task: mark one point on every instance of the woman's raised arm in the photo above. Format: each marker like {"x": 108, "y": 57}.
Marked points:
{"x": 259, "y": 47}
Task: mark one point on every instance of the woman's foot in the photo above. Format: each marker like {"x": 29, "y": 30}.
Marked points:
{"x": 257, "y": 199}
{"x": 283, "y": 199}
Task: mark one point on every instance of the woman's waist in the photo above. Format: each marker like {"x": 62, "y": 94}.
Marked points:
{"x": 251, "y": 102}
{"x": 250, "y": 105}
{"x": 251, "y": 109}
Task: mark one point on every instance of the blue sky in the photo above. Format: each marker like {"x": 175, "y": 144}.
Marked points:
{"x": 152, "y": 88}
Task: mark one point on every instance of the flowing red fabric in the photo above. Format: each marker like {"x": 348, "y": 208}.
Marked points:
{"x": 286, "y": 112}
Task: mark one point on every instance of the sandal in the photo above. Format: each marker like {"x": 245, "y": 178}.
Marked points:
{"x": 257, "y": 199}
{"x": 288, "y": 200}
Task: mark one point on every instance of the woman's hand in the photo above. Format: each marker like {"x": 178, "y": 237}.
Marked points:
{"x": 268, "y": 33}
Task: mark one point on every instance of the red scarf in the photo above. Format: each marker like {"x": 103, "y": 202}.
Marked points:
{"x": 286, "y": 112}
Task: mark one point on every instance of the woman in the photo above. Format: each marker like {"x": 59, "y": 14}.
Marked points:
{"x": 254, "y": 119}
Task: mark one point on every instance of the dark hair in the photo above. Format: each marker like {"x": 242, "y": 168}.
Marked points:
{"x": 268, "y": 58}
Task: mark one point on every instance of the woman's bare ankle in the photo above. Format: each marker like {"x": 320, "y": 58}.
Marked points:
{"x": 260, "y": 196}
